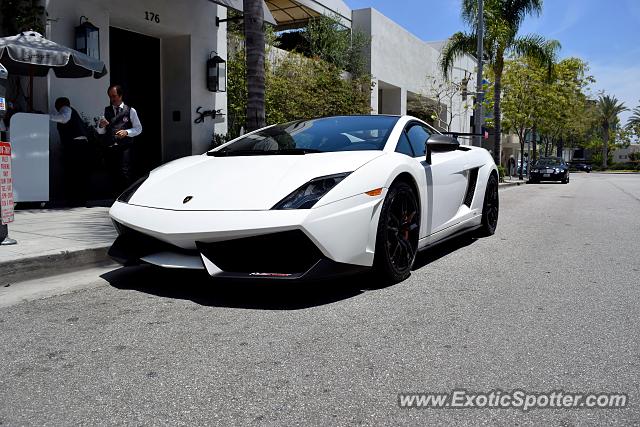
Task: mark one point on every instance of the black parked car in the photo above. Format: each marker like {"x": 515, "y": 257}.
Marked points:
{"x": 581, "y": 167}
{"x": 550, "y": 169}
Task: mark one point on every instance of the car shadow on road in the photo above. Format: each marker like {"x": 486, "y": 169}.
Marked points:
{"x": 196, "y": 286}
{"x": 434, "y": 253}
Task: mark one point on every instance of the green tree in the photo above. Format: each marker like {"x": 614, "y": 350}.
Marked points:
{"x": 635, "y": 116}
{"x": 567, "y": 117}
{"x": 255, "y": 73}
{"x": 555, "y": 105}
{"x": 296, "y": 87}
{"x": 608, "y": 108}
{"x": 21, "y": 15}
{"x": 633, "y": 124}
{"x": 503, "y": 19}
{"x": 330, "y": 41}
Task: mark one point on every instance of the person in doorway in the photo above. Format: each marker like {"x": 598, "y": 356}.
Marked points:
{"x": 75, "y": 152}
{"x": 120, "y": 125}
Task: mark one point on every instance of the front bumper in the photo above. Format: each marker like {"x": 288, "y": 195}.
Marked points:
{"x": 544, "y": 176}
{"x": 287, "y": 244}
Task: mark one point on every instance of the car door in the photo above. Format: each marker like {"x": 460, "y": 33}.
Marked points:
{"x": 446, "y": 179}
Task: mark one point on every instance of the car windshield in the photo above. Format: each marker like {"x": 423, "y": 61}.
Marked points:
{"x": 548, "y": 162}
{"x": 347, "y": 133}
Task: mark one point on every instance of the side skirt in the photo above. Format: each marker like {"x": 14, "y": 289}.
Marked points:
{"x": 458, "y": 233}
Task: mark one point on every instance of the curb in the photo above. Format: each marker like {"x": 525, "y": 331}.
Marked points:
{"x": 616, "y": 173}
{"x": 53, "y": 264}
{"x": 510, "y": 184}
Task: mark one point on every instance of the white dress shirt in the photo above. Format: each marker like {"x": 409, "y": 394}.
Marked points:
{"x": 136, "y": 126}
{"x": 63, "y": 116}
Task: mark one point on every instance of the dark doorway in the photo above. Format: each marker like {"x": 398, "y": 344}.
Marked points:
{"x": 135, "y": 65}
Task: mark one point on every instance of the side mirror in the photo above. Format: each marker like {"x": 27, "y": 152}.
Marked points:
{"x": 440, "y": 143}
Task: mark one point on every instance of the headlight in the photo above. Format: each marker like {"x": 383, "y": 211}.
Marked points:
{"x": 558, "y": 170}
{"x": 128, "y": 193}
{"x": 535, "y": 171}
{"x": 309, "y": 194}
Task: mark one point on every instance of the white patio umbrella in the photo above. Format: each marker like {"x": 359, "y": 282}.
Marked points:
{"x": 30, "y": 54}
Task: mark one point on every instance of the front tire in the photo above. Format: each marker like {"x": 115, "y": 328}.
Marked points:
{"x": 490, "y": 208}
{"x": 398, "y": 234}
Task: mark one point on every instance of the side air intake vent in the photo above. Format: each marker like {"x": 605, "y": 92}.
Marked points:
{"x": 471, "y": 187}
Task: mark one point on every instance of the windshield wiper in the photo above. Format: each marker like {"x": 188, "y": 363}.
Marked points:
{"x": 299, "y": 151}
{"x": 226, "y": 153}
{"x": 288, "y": 151}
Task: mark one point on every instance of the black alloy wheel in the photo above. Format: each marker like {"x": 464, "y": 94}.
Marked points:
{"x": 398, "y": 233}
{"x": 490, "y": 208}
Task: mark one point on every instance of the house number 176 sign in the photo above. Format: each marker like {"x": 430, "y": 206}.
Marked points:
{"x": 6, "y": 183}
{"x": 152, "y": 17}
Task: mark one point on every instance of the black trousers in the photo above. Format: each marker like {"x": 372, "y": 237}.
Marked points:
{"x": 76, "y": 167}
{"x": 120, "y": 163}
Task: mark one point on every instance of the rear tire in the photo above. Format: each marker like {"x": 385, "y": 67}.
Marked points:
{"x": 397, "y": 235}
{"x": 490, "y": 208}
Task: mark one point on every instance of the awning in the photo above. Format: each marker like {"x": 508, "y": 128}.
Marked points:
{"x": 295, "y": 13}
{"x": 237, "y": 5}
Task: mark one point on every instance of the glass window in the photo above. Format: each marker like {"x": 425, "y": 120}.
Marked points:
{"x": 330, "y": 134}
{"x": 418, "y": 136}
{"x": 404, "y": 146}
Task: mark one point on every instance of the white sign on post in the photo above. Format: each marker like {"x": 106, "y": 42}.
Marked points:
{"x": 6, "y": 183}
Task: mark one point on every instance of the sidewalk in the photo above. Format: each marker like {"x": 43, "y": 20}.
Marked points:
{"x": 511, "y": 183}
{"x": 55, "y": 240}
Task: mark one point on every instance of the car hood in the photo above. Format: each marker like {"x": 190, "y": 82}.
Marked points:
{"x": 242, "y": 182}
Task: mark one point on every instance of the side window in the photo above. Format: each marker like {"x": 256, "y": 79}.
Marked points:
{"x": 418, "y": 136}
{"x": 403, "y": 146}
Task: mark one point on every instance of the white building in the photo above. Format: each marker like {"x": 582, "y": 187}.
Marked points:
{"x": 621, "y": 155}
{"x": 401, "y": 65}
{"x": 157, "y": 50}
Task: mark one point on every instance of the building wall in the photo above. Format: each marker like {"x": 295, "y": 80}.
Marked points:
{"x": 187, "y": 36}
{"x": 621, "y": 155}
{"x": 399, "y": 63}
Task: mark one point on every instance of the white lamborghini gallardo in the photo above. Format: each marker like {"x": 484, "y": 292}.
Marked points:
{"x": 309, "y": 199}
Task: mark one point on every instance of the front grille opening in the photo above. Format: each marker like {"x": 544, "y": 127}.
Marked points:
{"x": 132, "y": 244}
{"x": 286, "y": 252}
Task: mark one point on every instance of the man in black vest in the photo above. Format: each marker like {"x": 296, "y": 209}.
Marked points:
{"x": 75, "y": 152}
{"x": 120, "y": 125}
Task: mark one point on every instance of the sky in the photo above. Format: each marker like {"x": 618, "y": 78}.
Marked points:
{"x": 606, "y": 34}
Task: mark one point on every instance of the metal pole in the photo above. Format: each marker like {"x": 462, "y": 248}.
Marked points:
{"x": 528, "y": 159}
{"x": 479, "y": 114}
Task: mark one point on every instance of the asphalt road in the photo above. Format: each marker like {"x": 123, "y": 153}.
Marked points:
{"x": 550, "y": 302}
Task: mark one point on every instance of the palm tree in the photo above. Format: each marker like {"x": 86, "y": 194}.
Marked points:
{"x": 503, "y": 19}
{"x": 255, "y": 45}
{"x": 608, "y": 108}
{"x": 634, "y": 120}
